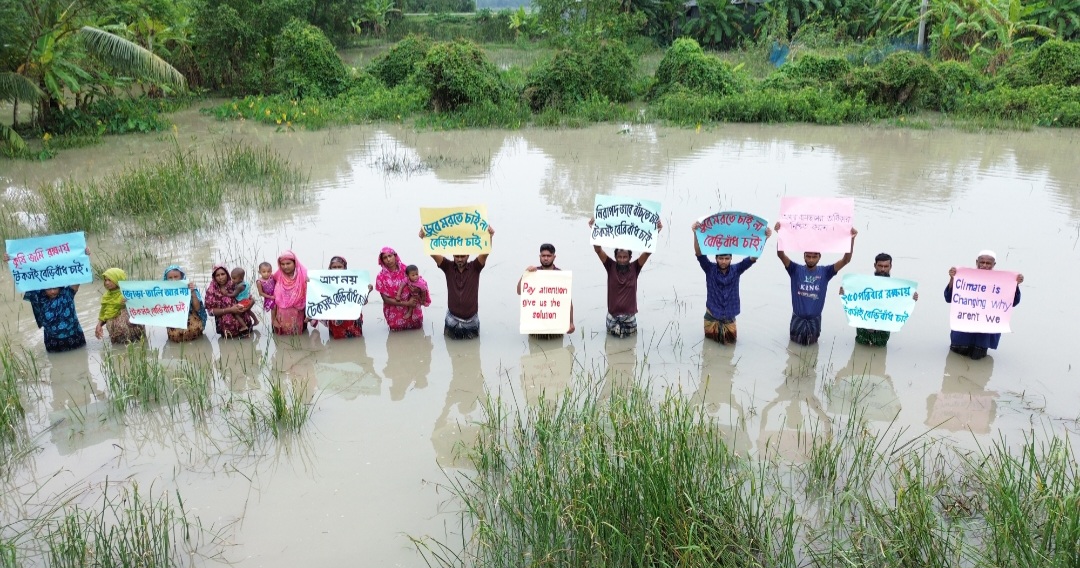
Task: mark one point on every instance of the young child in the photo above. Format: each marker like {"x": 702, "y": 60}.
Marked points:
{"x": 113, "y": 315}
{"x": 415, "y": 289}
{"x": 266, "y": 288}
{"x": 239, "y": 290}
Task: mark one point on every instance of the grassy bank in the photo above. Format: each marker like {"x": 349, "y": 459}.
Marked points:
{"x": 179, "y": 193}
{"x": 628, "y": 481}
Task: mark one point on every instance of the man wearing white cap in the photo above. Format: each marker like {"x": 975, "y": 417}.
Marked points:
{"x": 974, "y": 345}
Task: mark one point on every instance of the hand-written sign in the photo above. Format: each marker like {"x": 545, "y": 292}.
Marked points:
{"x": 878, "y": 302}
{"x": 982, "y": 300}
{"x": 53, "y": 261}
{"x": 337, "y": 294}
{"x": 545, "y": 301}
{"x": 816, "y": 224}
{"x": 455, "y": 230}
{"x": 156, "y": 302}
{"x": 620, "y": 222}
{"x": 732, "y": 232}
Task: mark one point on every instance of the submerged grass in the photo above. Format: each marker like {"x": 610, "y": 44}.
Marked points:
{"x": 280, "y": 410}
{"x": 126, "y": 530}
{"x": 15, "y": 368}
{"x": 136, "y": 377}
{"x": 181, "y": 192}
{"x": 583, "y": 481}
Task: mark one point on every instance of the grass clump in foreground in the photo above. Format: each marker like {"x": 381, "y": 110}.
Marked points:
{"x": 14, "y": 368}
{"x": 128, "y": 529}
{"x": 179, "y": 193}
{"x": 281, "y": 410}
{"x": 634, "y": 482}
{"x": 136, "y": 377}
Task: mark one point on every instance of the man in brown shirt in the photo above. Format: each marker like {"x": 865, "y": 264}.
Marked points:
{"x": 547, "y": 262}
{"x": 622, "y": 277}
{"x": 462, "y": 291}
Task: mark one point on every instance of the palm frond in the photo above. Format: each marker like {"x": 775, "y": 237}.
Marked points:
{"x": 129, "y": 57}
{"x": 11, "y": 138}
{"x": 16, "y": 87}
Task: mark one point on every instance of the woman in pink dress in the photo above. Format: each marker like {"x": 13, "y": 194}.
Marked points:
{"x": 396, "y": 298}
{"x": 290, "y": 295}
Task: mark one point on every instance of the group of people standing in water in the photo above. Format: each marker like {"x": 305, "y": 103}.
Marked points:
{"x": 405, "y": 294}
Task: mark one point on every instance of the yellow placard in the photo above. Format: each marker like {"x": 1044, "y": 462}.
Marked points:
{"x": 455, "y": 230}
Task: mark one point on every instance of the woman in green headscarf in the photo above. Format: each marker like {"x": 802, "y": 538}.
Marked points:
{"x": 113, "y": 315}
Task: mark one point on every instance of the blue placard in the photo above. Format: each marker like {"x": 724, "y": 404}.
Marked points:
{"x": 53, "y": 261}
{"x": 878, "y": 302}
{"x": 732, "y": 232}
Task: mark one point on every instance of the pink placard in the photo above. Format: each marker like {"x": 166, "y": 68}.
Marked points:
{"x": 816, "y": 224}
{"x": 982, "y": 300}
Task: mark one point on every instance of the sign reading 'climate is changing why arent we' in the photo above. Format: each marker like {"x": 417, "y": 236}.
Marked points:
{"x": 455, "y": 230}
{"x": 53, "y": 261}
{"x": 337, "y": 294}
{"x": 545, "y": 301}
{"x": 878, "y": 302}
{"x": 982, "y": 301}
{"x": 162, "y": 303}
{"x": 621, "y": 222}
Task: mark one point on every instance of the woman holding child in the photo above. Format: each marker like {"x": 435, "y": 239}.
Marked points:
{"x": 231, "y": 318}
{"x": 196, "y": 321}
{"x": 403, "y": 298}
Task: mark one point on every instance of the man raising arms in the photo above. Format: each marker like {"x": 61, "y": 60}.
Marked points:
{"x": 809, "y": 283}
{"x": 462, "y": 291}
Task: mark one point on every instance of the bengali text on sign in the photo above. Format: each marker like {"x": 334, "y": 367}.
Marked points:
{"x": 52, "y": 261}
{"x": 878, "y": 302}
{"x": 337, "y": 294}
{"x": 620, "y": 222}
{"x": 455, "y": 230}
{"x": 816, "y": 224}
{"x": 156, "y": 302}
{"x": 732, "y": 232}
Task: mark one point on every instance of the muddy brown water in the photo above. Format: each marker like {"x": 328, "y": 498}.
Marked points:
{"x": 391, "y": 407}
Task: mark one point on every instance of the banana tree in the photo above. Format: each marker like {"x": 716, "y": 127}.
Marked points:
{"x": 15, "y": 88}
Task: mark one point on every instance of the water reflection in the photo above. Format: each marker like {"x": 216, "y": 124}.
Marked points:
{"x": 456, "y": 427}
{"x": 343, "y": 368}
{"x": 864, "y": 386}
{"x": 963, "y": 403}
{"x": 795, "y": 415}
{"x": 408, "y": 361}
{"x": 716, "y": 391}
{"x": 546, "y": 370}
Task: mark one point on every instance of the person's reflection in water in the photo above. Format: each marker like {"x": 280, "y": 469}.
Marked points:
{"x": 863, "y": 385}
{"x": 546, "y": 370}
{"x": 795, "y": 416}
{"x": 456, "y": 428}
{"x": 621, "y": 364}
{"x": 80, "y": 415}
{"x": 344, "y": 369}
{"x": 408, "y": 362}
{"x": 963, "y": 404}
{"x": 716, "y": 392}
{"x": 70, "y": 381}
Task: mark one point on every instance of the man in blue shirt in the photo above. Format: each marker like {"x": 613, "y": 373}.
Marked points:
{"x": 809, "y": 283}
{"x": 722, "y": 304}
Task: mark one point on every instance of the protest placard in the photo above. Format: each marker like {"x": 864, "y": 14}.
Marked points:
{"x": 816, "y": 224}
{"x": 878, "y": 302}
{"x": 455, "y": 230}
{"x": 621, "y": 222}
{"x": 545, "y": 301}
{"x": 337, "y": 294}
{"x": 162, "y": 303}
{"x": 732, "y": 232}
{"x": 53, "y": 261}
{"x": 982, "y": 301}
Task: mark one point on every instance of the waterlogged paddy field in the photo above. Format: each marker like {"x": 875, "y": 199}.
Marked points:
{"x": 390, "y": 409}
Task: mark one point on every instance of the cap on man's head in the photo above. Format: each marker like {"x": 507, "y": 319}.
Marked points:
{"x": 989, "y": 253}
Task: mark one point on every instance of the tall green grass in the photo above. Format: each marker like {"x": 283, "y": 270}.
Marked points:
{"x": 633, "y": 481}
{"x": 136, "y": 377}
{"x": 125, "y": 530}
{"x": 280, "y": 410}
{"x": 181, "y": 192}
{"x": 15, "y": 368}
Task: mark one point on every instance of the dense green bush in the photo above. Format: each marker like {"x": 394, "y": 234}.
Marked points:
{"x": 227, "y": 50}
{"x": 808, "y": 70}
{"x": 1056, "y": 63}
{"x": 810, "y": 104}
{"x": 307, "y": 64}
{"x": 572, "y": 76}
{"x": 1044, "y": 105}
{"x": 459, "y": 73}
{"x": 958, "y": 80}
{"x": 426, "y": 6}
{"x": 397, "y": 64}
{"x": 904, "y": 80}
{"x": 686, "y": 64}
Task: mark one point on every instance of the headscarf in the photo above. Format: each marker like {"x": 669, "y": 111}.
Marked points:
{"x": 389, "y": 283}
{"x": 198, "y": 295}
{"x": 388, "y": 250}
{"x": 290, "y": 291}
{"x": 112, "y": 301}
{"x": 340, "y": 259}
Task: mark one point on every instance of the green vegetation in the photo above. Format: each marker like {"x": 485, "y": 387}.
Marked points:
{"x": 136, "y": 377}
{"x": 182, "y": 192}
{"x": 15, "y": 369}
{"x": 280, "y": 410}
{"x": 584, "y": 481}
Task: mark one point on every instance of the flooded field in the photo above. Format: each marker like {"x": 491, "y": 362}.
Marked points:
{"x": 389, "y": 409}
